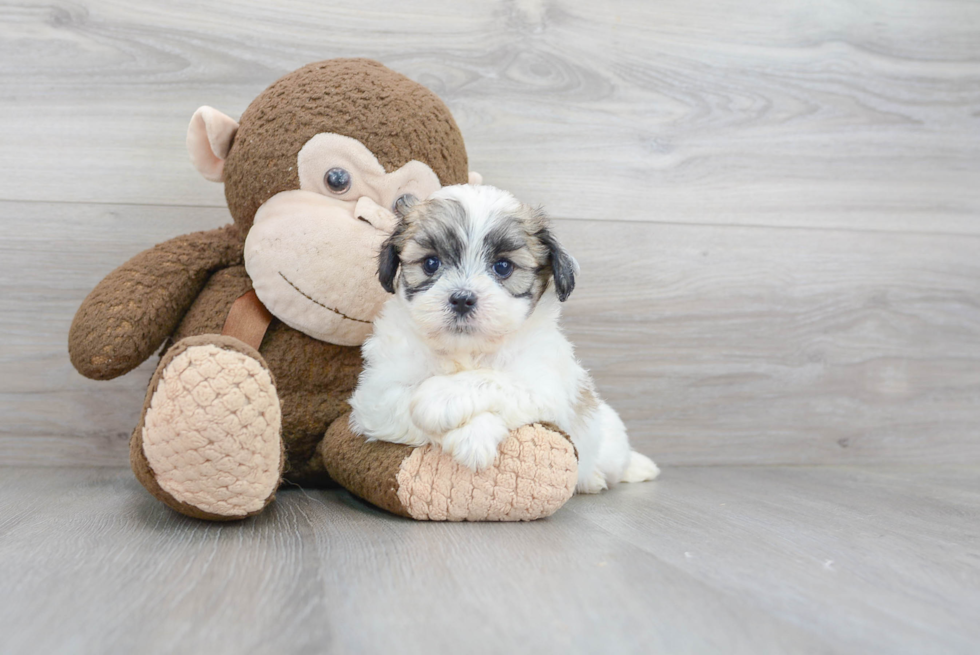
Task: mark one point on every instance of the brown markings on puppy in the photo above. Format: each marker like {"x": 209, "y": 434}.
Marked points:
{"x": 431, "y": 227}
{"x": 441, "y": 228}
{"x": 512, "y": 238}
{"x": 586, "y": 400}
{"x": 561, "y": 266}
{"x": 525, "y": 238}
{"x": 435, "y": 227}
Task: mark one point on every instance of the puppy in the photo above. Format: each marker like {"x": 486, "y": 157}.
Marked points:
{"x": 469, "y": 348}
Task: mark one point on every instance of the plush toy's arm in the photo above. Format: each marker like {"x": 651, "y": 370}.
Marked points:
{"x": 135, "y": 308}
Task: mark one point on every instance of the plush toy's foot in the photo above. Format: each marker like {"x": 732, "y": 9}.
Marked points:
{"x": 208, "y": 443}
{"x": 534, "y": 475}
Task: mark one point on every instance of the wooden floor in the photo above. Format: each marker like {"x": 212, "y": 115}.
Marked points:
{"x": 707, "y": 559}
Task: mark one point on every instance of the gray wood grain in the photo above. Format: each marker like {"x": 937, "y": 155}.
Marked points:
{"x": 53, "y": 255}
{"x": 705, "y": 560}
{"x": 691, "y": 135}
{"x": 717, "y": 344}
{"x": 840, "y": 552}
{"x": 856, "y": 113}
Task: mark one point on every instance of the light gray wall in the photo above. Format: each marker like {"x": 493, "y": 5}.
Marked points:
{"x": 776, "y": 204}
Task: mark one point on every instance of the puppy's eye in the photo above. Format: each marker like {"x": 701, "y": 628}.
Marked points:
{"x": 431, "y": 265}
{"x": 337, "y": 180}
{"x": 503, "y": 269}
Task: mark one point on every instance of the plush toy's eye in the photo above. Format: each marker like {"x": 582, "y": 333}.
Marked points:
{"x": 431, "y": 265}
{"x": 503, "y": 269}
{"x": 337, "y": 180}
{"x": 402, "y": 204}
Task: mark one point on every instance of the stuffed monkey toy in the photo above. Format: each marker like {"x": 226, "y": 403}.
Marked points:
{"x": 260, "y": 322}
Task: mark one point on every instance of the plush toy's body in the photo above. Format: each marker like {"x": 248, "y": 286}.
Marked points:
{"x": 313, "y": 378}
{"x": 243, "y": 395}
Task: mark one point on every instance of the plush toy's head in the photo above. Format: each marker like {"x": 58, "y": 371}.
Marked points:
{"x": 311, "y": 174}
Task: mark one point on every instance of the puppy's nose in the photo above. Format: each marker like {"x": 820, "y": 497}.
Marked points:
{"x": 462, "y": 302}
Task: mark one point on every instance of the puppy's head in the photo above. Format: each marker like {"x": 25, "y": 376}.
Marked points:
{"x": 472, "y": 262}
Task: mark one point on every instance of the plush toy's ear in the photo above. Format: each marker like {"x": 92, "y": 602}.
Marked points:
{"x": 563, "y": 266}
{"x": 475, "y": 178}
{"x": 209, "y": 138}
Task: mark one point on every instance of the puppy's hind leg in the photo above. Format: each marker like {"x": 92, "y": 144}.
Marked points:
{"x": 617, "y": 461}
{"x": 640, "y": 469}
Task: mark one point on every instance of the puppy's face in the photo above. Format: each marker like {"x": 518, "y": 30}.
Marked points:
{"x": 472, "y": 262}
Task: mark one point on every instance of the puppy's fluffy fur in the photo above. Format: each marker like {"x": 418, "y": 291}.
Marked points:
{"x": 469, "y": 347}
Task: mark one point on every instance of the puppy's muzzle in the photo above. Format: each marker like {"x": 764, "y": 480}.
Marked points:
{"x": 462, "y": 302}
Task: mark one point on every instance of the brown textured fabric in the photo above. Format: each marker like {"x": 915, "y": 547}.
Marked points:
{"x": 397, "y": 119}
{"x": 367, "y": 469}
{"x": 314, "y": 378}
{"x": 248, "y": 320}
{"x": 534, "y": 475}
{"x": 130, "y": 313}
{"x": 141, "y": 467}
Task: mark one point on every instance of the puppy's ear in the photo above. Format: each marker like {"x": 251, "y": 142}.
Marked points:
{"x": 563, "y": 266}
{"x": 388, "y": 262}
{"x": 388, "y": 258}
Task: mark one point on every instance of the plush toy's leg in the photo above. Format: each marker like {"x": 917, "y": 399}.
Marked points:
{"x": 208, "y": 442}
{"x": 534, "y": 474}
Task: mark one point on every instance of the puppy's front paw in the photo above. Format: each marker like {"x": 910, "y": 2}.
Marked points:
{"x": 475, "y": 444}
{"x": 438, "y": 405}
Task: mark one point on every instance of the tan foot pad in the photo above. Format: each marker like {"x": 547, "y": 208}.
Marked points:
{"x": 211, "y": 433}
{"x": 533, "y": 476}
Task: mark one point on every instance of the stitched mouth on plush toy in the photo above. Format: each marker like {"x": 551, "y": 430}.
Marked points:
{"x": 317, "y": 302}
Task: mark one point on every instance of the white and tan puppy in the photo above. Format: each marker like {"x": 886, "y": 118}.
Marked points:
{"x": 469, "y": 348}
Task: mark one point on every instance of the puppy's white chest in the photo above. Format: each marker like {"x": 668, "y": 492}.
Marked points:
{"x": 459, "y": 363}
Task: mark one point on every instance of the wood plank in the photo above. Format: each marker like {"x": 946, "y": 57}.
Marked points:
{"x": 877, "y": 560}
{"x": 845, "y": 114}
{"x": 704, "y": 560}
{"x": 762, "y": 345}
{"x": 717, "y": 344}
